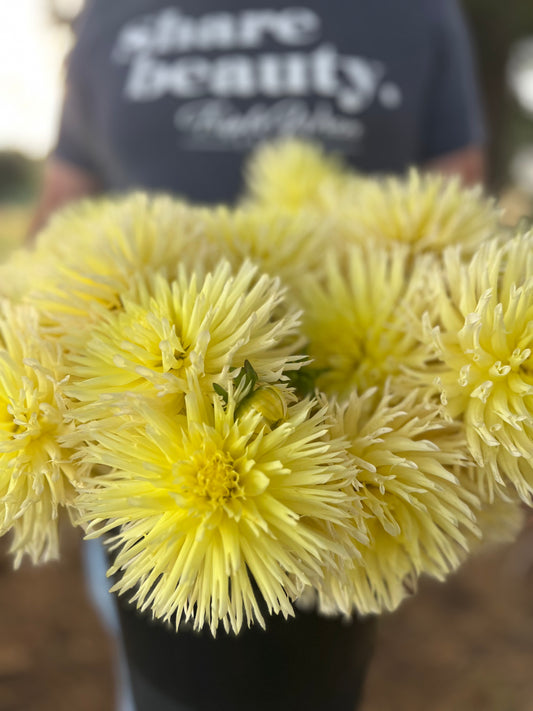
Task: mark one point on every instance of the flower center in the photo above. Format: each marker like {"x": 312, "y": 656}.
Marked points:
{"x": 216, "y": 478}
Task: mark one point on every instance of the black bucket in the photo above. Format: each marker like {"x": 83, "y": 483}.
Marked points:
{"x": 307, "y": 663}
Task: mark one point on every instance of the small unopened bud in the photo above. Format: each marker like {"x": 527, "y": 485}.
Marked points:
{"x": 268, "y": 401}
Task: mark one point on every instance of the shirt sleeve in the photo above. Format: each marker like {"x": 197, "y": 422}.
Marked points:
{"x": 453, "y": 118}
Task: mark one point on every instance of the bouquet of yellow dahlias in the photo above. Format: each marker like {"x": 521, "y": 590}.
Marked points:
{"x": 322, "y": 393}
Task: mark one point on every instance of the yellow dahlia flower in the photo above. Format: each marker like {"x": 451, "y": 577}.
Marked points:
{"x": 426, "y": 212}
{"x": 280, "y": 242}
{"x": 36, "y": 472}
{"x": 484, "y": 346}
{"x": 418, "y": 516}
{"x": 292, "y": 174}
{"x": 172, "y": 330}
{"x": 204, "y": 503}
{"x": 362, "y": 324}
{"x": 91, "y": 252}
{"x": 500, "y": 517}
{"x": 500, "y": 521}
{"x": 14, "y": 226}
{"x": 18, "y": 274}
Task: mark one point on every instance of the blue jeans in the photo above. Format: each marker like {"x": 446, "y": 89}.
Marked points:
{"x": 95, "y": 565}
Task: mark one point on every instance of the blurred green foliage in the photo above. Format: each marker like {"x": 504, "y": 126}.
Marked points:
{"x": 19, "y": 177}
{"x": 495, "y": 26}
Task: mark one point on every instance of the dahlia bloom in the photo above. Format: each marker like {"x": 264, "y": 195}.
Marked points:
{"x": 37, "y": 474}
{"x": 500, "y": 516}
{"x": 419, "y": 518}
{"x": 205, "y": 503}
{"x": 483, "y": 342}
{"x": 91, "y": 252}
{"x": 156, "y": 388}
{"x": 292, "y": 174}
{"x": 168, "y": 331}
{"x": 282, "y": 243}
{"x": 362, "y": 324}
{"x": 425, "y": 212}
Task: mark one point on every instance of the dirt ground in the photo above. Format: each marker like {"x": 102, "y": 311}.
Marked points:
{"x": 463, "y": 646}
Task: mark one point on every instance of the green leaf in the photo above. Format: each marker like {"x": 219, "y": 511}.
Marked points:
{"x": 220, "y": 391}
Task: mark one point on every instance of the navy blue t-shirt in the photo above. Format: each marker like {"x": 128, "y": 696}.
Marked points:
{"x": 172, "y": 95}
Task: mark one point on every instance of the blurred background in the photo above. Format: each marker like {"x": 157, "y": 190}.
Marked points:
{"x": 463, "y": 646}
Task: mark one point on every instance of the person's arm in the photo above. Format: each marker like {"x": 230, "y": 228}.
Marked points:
{"x": 62, "y": 183}
{"x": 453, "y": 135}
{"x": 73, "y": 169}
{"x": 468, "y": 163}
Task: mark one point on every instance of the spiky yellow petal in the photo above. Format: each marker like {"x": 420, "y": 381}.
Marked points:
{"x": 169, "y": 331}
{"x": 14, "y": 226}
{"x": 500, "y": 516}
{"x": 36, "y": 472}
{"x": 91, "y": 252}
{"x": 282, "y": 243}
{"x": 484, "y": 344}
{"x": 423, "y": 211}
{"x": 204, "y": 503}
{"x": 418, "y": 514}
{"x": 362, "y": 324}
{"x": 292, "y": 174}
{"x": 18, "y": 274}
